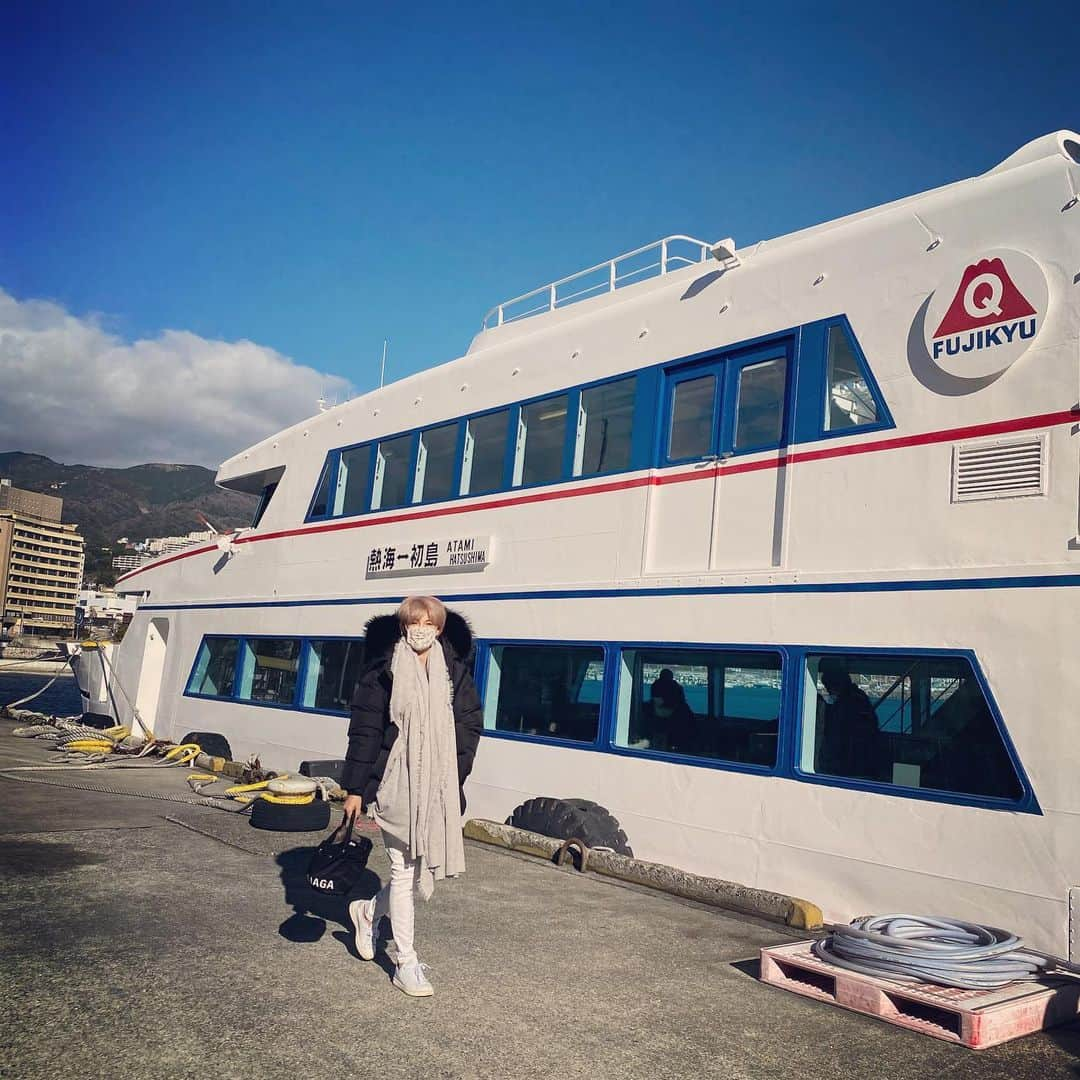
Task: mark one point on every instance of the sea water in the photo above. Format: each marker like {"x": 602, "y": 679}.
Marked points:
{"x": 61, "y": 699}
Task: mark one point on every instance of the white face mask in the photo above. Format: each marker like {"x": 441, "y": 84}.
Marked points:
{"x": 420, "y": 638}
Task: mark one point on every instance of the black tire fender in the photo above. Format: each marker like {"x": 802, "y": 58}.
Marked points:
{"x": 210, "y": 743}
{"x": 565, "y": 819}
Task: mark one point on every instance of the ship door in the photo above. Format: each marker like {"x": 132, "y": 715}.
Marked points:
{"x": 718, "y": 500}
{"x": 151, "y": 674}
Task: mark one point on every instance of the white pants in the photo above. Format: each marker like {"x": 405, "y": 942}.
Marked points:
{"x": 395, "y": 899}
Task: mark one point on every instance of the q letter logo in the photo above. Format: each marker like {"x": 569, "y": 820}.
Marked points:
{"x": 987, "y": 321}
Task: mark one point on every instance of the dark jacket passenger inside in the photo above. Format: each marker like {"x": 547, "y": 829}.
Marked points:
{"x": 371, "y": 731}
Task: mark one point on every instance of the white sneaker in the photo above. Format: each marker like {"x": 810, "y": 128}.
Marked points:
{"x": 362, "y": 913}
{"x": 410, "y": 979}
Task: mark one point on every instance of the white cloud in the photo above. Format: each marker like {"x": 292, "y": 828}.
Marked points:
{"x": 77, "y": 393}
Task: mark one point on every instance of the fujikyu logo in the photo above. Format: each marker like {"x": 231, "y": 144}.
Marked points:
{"x": 990, "y": 318}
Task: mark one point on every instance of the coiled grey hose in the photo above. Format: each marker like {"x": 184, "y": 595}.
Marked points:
{"x": 950, "y": 952}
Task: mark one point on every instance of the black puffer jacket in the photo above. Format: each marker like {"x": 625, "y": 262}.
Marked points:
{"x": 372, "y": 733}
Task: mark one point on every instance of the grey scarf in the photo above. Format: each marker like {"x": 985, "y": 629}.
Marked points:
{"x": 418, "y": 802}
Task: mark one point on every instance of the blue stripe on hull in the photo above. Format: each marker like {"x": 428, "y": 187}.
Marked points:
{"x": 1059, "y": 581}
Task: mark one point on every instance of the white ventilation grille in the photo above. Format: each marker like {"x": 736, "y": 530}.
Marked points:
{"x": 999, "y": 469}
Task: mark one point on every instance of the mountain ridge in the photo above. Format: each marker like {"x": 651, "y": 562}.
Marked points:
{"x": 137, "y": 501}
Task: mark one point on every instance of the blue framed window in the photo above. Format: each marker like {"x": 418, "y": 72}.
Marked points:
{"x": 437, "y": 457}
{"x": 540, "y": 452}
{"x": 331, "y": 669}
{"x": 760, "y": 397}
{"x": 352, "y": 481}
{"x": 838, "y": 394}
{"x": 604, "y": 439}
{"x": 693, "y": 415}
{"x": 320, "y": 504}
{"x": 307, "y": 674}
{"x": 270, "y": 670}
{"x": 800, "y": 385}
{"x": 551, "y": 691}
{"x": 484, "y": 453}
{"x": 264, "y": 502}
{"x": 392, "y": 484}
{"x": 903, "y": 721}
{"x": 731, "y": 403}
{"x": 214, "y": 673}
{"x": 916, "y": 724}
{"x": 720, "y": 704}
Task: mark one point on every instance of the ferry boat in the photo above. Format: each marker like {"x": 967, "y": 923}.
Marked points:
{"x": 772, "y": 551}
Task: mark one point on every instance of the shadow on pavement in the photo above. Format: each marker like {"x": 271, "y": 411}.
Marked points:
{"x": 313, "y": 910}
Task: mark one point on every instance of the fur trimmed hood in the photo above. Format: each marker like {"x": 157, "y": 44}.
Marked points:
{"x": 383, "y": 632}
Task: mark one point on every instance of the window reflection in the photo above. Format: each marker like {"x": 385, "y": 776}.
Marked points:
{"x": 549, "y": 690}
{"x": 333, "y": 666}
{"x": 904, "y": 720}
{"x": 485, "y": 453}
{"x": 270, "y": 672}
{"x": 703, "y": 703}
{"x": 604, "y": 428}
{"x": 391, "y": 487}
{"x": 351, "y": 489}
{"x": 849, "y": 402}
{"x": 692, "y": 418}
{"x": 759, "y": 415}
{"x": 435, "y": 463}
{"x": 543, "y": 439}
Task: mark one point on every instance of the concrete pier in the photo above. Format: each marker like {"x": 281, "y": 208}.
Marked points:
{"x": 167, "y": 939}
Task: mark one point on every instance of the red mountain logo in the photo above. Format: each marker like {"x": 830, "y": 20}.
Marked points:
{"x": 986, "y": 296}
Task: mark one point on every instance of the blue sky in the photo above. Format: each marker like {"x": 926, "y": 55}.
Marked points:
{"x": 316, "y": 177}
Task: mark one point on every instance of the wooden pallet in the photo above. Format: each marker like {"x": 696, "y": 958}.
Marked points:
{"x": 973, "y": 1018}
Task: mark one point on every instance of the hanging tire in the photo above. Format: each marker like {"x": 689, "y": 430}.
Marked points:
{"x": 285, "y": 817}
{"x": 210, "y": 743}
{"x": 563, "y": 819}
{"x": 601, "y": 822}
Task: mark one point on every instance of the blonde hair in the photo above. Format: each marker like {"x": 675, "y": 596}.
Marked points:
{"x": 412, "y": 607}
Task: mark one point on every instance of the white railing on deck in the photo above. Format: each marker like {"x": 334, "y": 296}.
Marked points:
{"x": 652, "y": 260}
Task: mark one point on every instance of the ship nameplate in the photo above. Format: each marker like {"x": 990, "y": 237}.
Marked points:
{"x": 421, "y": 555}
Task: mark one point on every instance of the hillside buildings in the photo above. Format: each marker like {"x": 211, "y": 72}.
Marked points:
{"x": 41, "y": 564}
{"x": 154, "y": 547}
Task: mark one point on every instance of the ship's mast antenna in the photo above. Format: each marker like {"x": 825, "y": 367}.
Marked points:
{"x": 382, "y": 368}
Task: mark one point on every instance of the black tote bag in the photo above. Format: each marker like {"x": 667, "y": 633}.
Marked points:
{"x": 339, "y": 861}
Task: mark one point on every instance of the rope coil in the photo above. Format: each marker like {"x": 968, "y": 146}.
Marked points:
{"x": 950, "y": 952}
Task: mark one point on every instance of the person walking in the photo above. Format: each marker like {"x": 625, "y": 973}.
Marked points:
{"x": 416, "y": 723}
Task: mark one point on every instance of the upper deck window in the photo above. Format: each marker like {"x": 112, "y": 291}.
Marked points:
{"x": 350, "y": 491}
{"x": 484, "y": 457}
{"x": 541, "y": 441}
{"x": 391, "y": 486}
{"x": 264, "y": 502}
{"x": 604, "y": 436}
{"x": 435, "y": 463}
{"x": 693, "y": 409}
{"x": 849, "y": 401}
{"x": 759, "y": 413}
{"x": 320, "y": 503}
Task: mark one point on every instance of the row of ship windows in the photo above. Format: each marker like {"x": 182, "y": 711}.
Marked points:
{"x": 912, "y": 724}
{"x": 723, "y": 404}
